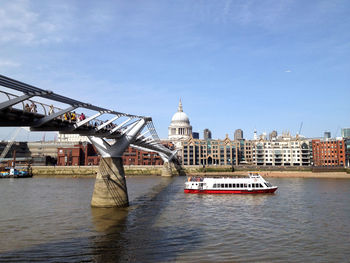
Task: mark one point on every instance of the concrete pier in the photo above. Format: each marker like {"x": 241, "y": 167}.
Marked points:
{"x": 110, "y": 186}
{"x": 167, "y": 169}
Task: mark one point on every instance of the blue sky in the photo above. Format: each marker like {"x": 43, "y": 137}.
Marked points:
{"x": 235, "y": 64}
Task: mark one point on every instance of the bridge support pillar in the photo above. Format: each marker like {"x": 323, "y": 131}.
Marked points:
{"x": 167, "y": 169}
{"x": 171, "y": 168}
{"x": 110, "y": 185}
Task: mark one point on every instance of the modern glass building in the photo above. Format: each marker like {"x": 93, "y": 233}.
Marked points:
{"x": 345, "y": 132}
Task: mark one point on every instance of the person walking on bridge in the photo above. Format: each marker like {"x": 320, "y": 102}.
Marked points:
{"x": 73, "y": 116}
{"x": 51, "y": 111}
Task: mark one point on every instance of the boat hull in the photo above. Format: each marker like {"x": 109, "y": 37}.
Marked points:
{"x": 243, "y": 191}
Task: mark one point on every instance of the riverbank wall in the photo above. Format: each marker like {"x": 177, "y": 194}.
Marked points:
{"x": 142, "y": 170}
{"x": 91, "y": 171}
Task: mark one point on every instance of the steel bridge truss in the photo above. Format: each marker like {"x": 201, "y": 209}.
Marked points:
{"x": 21, "y": 109}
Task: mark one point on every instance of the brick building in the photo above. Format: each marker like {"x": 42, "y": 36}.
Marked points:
{"x": 133, "y": 156}
{"x": 80, "y": 154}
{"x": 330, "y": 152}
{"x": 86, "y": 154}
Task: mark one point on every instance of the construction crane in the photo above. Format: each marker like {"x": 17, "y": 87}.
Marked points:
{"x": 9, "y": 144}
{"x": 301, "y": 126}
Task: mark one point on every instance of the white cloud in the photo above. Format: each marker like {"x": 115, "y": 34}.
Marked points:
{"x": 21, "y": 23}
{"x": 8, "y": 63}
{"x": 288, "y": 71}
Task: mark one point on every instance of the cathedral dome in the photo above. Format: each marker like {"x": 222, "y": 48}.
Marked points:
{"x": 180, "y": 128}
{"x": 180, "y": 117}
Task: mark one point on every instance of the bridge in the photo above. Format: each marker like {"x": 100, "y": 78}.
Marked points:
{"x": 110, "y": 131}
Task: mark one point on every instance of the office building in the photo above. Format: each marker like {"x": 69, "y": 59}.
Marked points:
{"x": 329, "y": 152}
{"x": 210, "y": 152}
{"x": 238, "y": 135}
{"x": 345, "y": 133}
{"x": 206, "y": 134}
{"x": 284, "y": 150}
{"x": 327, "y": 135}
{"x": 195, "y": 135}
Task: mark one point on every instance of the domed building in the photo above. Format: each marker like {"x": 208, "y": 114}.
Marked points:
{"x": 180, "y": 128}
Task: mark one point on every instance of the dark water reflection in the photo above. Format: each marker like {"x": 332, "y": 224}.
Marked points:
{"x": 50, "y": 220}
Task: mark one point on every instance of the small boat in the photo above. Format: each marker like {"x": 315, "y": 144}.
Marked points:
{"x": 14, "y": 173}
{"x": 253, "y": 184}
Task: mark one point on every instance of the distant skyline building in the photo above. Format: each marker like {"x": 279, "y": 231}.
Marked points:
{"x": 255, "y": 137}
{"x": 273, "y": 135}
{"x": 327, "y": 135}
{"x": 195, "y": 135}
{"x": 345, "y": 132}
{"x": 206, "y": 134}
{"x": 238, "y": 135}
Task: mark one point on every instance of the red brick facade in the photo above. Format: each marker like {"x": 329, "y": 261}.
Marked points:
{"x": 87, "y": 155}
{"x": 133, "y": 156}
{"x": 328, "y": 153}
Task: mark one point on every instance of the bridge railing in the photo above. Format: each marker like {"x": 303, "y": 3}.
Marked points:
{"x": 30, "y": 105}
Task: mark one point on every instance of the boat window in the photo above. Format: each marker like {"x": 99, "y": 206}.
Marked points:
{"x": 222, "y": 185}
{"x": 226, "y": 185}
{"x": 266, "y": 184}
{"x": 253, "y": 185}
{"x": 260, "y": 185}
{"x": 245, "y": 185}
{"x": 230, "y": 185}
{"x": 249, "y": 185}
{"x": 241, "y": 185}
{"x": 234, "y": 185}
{"x": 214, "y": 186}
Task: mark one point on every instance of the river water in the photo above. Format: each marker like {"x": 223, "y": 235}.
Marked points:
{"x": 50, "y": 220}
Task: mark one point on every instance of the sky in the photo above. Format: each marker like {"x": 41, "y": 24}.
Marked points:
{"x": 264, "y": 65}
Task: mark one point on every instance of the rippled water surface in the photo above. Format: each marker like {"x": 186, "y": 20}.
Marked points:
{"x": 50, "y": 220}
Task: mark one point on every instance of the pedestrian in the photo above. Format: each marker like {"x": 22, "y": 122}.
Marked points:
{"x": 82, "y": 117}
{"x": 67, "y": 116}
{"x": 51, "y": 111}
{"x": 73, "y": 116}
{"x": 27, "y": 107}
{"x": 33, "y": 108}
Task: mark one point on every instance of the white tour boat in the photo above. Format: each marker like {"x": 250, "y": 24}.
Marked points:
{"x": 253, "y": 184}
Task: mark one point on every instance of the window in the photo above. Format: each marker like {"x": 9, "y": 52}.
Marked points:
{"x": 226, "y": 185}
{"x": 214, "y": 186}
{"x": 245, "y": 185}
{"x": 230, "y": 185}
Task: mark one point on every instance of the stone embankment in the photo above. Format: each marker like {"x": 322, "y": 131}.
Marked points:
{"x": 290, "y": 172}
{"x": 91, "y": 171}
